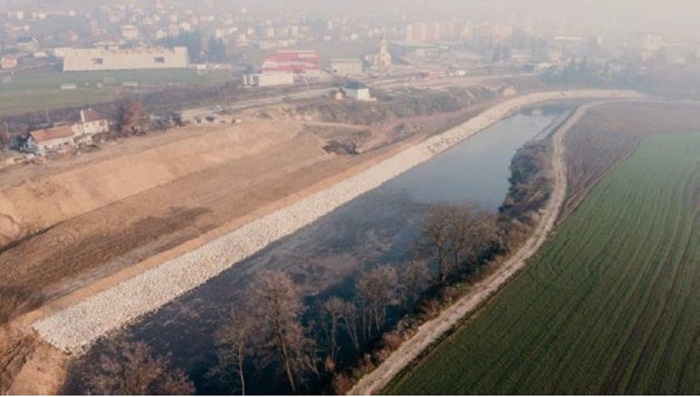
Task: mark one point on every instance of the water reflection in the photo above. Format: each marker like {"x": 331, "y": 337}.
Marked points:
{"x": 326, "y": 257}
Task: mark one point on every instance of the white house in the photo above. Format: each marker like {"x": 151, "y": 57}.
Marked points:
{"x": 42, "y": 141}
{"x": 91, "y": 123}
{"x": 358, "y": 92}
{"x": 82, "y": 131}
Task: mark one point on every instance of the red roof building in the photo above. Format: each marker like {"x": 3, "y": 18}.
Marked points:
{"x": 292, "y": 62}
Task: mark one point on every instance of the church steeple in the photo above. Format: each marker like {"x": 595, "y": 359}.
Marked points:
{"x": 383, "y": 58}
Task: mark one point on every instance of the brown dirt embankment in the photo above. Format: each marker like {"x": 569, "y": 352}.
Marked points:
{"x": 33, "y": 202}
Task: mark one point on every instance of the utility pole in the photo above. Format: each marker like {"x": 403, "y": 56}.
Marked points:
{"x": 7, "y": 133}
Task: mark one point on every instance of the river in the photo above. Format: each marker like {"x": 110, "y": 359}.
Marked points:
{"x": 327, "y": 256}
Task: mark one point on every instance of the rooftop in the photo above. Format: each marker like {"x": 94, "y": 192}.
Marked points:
{"x": 355, "y": 86}
{"x": 63, "y": 131}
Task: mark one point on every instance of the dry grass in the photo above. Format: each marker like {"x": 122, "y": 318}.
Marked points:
{"x": 611, "y": 133}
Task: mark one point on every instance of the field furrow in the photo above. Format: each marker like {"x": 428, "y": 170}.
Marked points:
{"x": 610, "y": 305}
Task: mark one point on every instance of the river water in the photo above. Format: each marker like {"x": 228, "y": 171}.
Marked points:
{"x": 326, "y": 257}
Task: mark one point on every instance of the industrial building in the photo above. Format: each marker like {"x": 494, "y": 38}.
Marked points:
{"x": 96, "y": 59}
{"x": 296, "y": 62}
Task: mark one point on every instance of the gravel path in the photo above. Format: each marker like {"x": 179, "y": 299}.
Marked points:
{"x": 432, "y": 330}
{"x": 75, "y": 328}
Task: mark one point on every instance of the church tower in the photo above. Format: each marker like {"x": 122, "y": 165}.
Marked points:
{"x": 383, "y": 58}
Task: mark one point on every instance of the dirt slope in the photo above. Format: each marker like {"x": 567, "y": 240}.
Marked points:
{"x": 39, "y": 202}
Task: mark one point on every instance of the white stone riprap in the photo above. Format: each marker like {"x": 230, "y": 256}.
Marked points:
{"x": 75, "y": 328}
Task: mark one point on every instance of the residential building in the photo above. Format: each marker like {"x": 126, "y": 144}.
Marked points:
{"x": 130, "y": 32}
{"x": 43, "y": 141}
{"x": 27, "y": 44}
{"x": 8, "y": 62}
{"x": 90, "y": 123}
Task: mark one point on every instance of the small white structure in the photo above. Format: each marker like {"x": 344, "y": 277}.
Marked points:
{"x": 358, "y": 91}
{"x": 90, "y": 123}
{"x": 268, "y": 79}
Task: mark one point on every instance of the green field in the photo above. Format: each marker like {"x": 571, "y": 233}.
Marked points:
{"x": 610, "y": 305}
{"x": 26, "y": 93}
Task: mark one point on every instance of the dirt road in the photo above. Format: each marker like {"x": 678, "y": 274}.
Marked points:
{"x": 431, "y": 331}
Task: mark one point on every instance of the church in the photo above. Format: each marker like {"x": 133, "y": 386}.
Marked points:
{"x": 382, "y": 59}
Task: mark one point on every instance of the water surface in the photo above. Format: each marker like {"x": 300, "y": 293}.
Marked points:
{"x": 327, "y": 256}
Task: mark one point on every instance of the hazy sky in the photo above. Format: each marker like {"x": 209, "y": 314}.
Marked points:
{"x": 680, "y": 17}
{"x": 665, "y": 16}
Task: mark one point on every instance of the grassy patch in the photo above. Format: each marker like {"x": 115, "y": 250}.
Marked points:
{"x": 611, "y": 305}
{"x": 27, "y": 93}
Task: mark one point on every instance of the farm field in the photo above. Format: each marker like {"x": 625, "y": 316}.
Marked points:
{"x": 610, "y": 305}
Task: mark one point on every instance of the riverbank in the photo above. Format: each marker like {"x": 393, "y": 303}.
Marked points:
{"x": 73, "y": 329}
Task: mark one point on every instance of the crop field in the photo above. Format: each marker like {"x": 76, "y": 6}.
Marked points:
{"x": 610, "y": 305}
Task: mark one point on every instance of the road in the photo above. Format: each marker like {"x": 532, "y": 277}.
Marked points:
{"x": 433, "y": 330}
{"x": 190, "y": 114}
{"x": 384, "y": 84}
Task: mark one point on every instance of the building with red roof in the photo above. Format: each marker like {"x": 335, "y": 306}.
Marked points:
{"x": 297, "y": 62}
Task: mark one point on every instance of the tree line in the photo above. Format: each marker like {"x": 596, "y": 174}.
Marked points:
{"x": 325, "y": 347}
{"x": 271, "y": 326}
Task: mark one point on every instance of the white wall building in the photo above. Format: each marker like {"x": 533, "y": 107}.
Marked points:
{"x": 95, "y": 59}
{"x": 91, "y": 123}
{"x": 268, "y": 79}
{"x": 358, "y": 92}
{"x": 56, "y": 138}
{"x": 347, "y": 67}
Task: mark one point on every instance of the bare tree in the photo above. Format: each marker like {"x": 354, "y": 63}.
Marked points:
{"x": 234, "y": 340}
{"x": 130, "y": 118}
{"x": 479, "y": 226}
{"x": 413, "y": 277}
{"x": 278, "y": 306}
{"x": 434, "y": 240}
{"x": 130, "y": 369}
{"x": 460, "y": 231}
{"x": 350, "y": 320}
{"x": 330, "y": 315}
{"x": 376, "y": 291}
